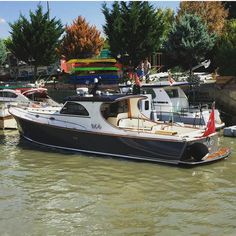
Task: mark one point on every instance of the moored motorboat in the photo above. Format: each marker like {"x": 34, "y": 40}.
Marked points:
{"x": 9, "y": 97}
{"x": 40, "y": 97}
{"x": 114, "y": 126}
{"x": 170, "y": 103}
{"x": 230, "y": 131}
{"x": 35, "y": 97}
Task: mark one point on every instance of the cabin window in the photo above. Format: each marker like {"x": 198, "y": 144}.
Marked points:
{"x": 7, "y": 94}
{"x": 173, "y": 93}
{"x": 146, "y": 105}
{"x": 74, "y": 109}
{"x": 143, "y": 105}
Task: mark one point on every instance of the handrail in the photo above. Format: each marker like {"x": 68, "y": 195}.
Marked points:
{"x": 55, "y": 120}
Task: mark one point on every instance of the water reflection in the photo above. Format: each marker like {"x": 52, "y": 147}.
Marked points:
{"x": 49, "y": 192}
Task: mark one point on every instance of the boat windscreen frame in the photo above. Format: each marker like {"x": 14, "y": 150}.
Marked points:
{"x": 105, "y": 114}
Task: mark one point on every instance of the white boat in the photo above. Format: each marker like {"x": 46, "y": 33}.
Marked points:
{"x": 36, "y": 97}
{"x": 230, "y": 131}
{"x": 9, "y": 97}
{"x": 114, "y": 126}
{"x": 40, "y": 97}
{"x": 170, "y": 103}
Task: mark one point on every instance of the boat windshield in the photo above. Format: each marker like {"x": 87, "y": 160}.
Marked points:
{"x": 172, "y": 93}
{"x": 74, "y": 108}
{"x": 113, "y": 109}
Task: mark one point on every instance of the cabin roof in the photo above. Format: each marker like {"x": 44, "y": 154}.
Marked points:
{"x": 103, "y": 98}
{"x": 34, "y": 90}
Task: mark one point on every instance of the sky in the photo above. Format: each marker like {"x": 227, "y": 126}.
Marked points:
{"x": 67, "y": 11}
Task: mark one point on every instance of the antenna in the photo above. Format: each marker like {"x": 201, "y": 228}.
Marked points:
{"x": 48, "y": 9}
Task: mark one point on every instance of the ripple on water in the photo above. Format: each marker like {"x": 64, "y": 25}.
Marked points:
{"x": 49, "y": 192}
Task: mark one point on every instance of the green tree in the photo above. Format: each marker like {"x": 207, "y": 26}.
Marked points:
{"x": 165, "y": 18}
{"x": 34, "y": 41}
{"x": 81, "y": 40}
{"x": 132, "y": 28}
{"x": 226, "y": 50}
{"x": 189, "y": 41}
{"x": 213, "y": 13}
{"x": 3, "y": 52}
{"x": 106, "y": 44}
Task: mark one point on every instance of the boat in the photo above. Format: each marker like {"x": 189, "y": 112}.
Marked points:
{"x": 9, "y": 97}
{"x": 35, "y": 97}
{"x": 230, "y": 131}
{"x": 40, "y": 97}
{"x": 84, "y": 71}
{"x": 170, "y": 104}
{"x": 114, "y": 126}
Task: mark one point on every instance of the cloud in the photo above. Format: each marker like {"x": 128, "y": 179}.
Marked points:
{"x": 2, "y": 21}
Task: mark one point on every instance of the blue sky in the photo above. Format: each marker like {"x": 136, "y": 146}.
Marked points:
{"x": 67, "y": 11}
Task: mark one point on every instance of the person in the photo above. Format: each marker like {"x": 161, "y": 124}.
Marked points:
{"x": 137, "y": 85}
{"x": 140, "y": 70}
{"x": 97, "y": 82}
{"x": 147, "y": 69}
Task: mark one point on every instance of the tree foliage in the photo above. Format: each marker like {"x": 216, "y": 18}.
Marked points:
{"x": 189, "y": 41}
{"x": 3, "y": 52}
{"x": 106, "y": 44}
{"x": 212, "y": 13}
{"x": 34, "y": 41}
{"x": 166, "y": 18}
{"x": 81, "y": 40}
{"x": 226, "y": 51}
{"x": 133, "y": 28}
{"x": 231, "y": 7}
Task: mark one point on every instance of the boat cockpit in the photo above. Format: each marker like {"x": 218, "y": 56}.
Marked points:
{"x": 126, "y": 114}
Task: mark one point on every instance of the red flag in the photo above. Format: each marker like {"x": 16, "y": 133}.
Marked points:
{"x": 170, "y": 79}
{"x": 211, "y": 128}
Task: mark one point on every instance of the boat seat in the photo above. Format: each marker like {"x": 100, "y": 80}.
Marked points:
{"x": 122, "y": 115}
{"x": 112, "y": 120}
{"x": 164, "y": 130}
{"x": 135, "y": 123}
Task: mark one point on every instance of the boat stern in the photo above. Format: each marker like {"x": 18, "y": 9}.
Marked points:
{"x": 203, "y": 151}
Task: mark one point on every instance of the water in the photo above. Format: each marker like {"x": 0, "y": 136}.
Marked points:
{"x": 49, "y": 192}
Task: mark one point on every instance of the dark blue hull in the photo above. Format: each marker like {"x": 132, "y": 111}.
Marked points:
{"x": 131, "y": 147}
{"x": 100, "y": 143}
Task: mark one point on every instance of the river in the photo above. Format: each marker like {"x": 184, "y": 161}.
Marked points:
{"x": 50, "y": 192}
